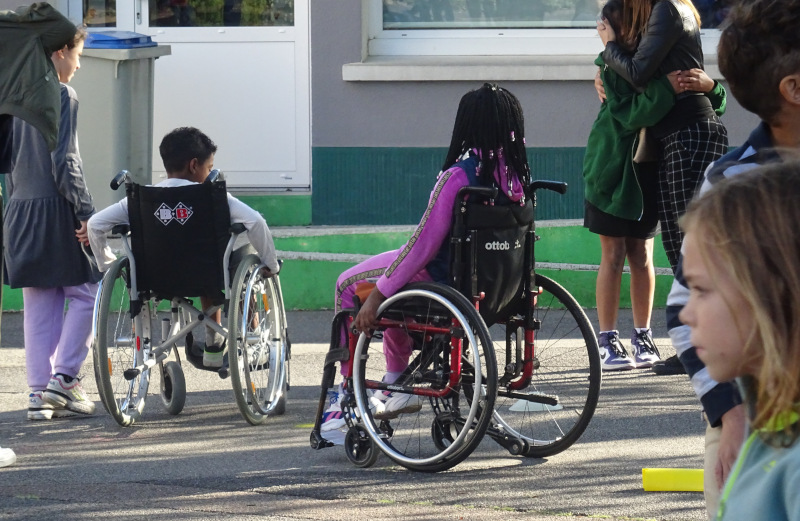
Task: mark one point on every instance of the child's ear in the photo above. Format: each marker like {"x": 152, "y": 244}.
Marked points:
{"x": 790, "y": 88}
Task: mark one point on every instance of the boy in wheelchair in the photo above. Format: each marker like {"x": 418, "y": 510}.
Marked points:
{"x": 487, "y": 149}
{"x": 188, "y": 156}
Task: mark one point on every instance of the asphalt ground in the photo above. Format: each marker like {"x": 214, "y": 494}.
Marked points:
{"x": 208, "y": 463}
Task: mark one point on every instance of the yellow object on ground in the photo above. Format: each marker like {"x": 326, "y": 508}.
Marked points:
{"x": 672, "y": 480}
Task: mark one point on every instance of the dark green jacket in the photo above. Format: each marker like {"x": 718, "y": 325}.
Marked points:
{"x": 609, "y": 172}
{"x": 29, "y": 86}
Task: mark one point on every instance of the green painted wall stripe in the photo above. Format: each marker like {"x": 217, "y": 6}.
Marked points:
{"x": 375, "y": 186}
{"x": 284, "y": 209}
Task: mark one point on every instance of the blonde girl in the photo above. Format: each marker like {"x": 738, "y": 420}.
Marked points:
{"x": 742, "y": 263}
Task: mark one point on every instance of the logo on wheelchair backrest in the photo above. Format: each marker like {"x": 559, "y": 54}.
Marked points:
{"x": 180, "y": 213}
{"x": 498, "y": 246}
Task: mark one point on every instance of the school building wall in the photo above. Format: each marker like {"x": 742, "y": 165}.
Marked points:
{"x": 378, "y": 145}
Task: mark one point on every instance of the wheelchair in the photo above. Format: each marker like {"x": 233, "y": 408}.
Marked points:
{"x": 180, "y": 242}
{"x": 530, "y": 382}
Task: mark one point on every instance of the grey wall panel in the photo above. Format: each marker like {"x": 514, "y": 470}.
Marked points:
{"x": 421, "y": 114}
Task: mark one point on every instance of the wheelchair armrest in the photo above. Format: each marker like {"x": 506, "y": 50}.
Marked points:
{"x": 121, "y": 229}
{"x": 490, "y": 192}
{"x": 237, "y": 228}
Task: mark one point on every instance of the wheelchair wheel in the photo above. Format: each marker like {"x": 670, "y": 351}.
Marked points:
{"x": 173, "y": 387}
{"x": 360, "y": 449}
{"x": 257, "y": 343}
{"x": 552, "y": 412}
{"x": 115, "y": 346}
{"x": 450, "y": 383}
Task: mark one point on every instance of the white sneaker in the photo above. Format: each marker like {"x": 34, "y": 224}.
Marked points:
{"x": 333, "y": 417}
{"x": 69, "y": 395}
{"x": 212, "y": 357}
{"x": 334, "y": 427}
{"x": 38, "y": 409}
{"x": 391, "y": 405}
{"x": 7, "y": 457}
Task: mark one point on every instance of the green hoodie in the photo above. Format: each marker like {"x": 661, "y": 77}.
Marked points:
{"x": 609, "y": 172}
{"x": 29, "y": 86}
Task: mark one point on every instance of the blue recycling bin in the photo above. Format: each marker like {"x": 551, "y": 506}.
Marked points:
{"x": 115, "y": 86}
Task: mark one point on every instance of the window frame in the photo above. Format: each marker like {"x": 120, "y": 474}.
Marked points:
{"x": 487, "y": 42}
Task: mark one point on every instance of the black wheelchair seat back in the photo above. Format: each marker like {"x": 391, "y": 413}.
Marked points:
{"x": 178, "y": 238}
{"x": 495, "y": 256}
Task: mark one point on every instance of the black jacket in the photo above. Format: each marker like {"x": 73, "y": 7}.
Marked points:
{"x": 670, "y": 43}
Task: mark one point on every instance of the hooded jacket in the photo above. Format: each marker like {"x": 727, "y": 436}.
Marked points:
{"x": 29, "y": 86}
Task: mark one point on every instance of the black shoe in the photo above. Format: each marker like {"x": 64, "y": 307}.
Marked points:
{"x": 669, "y": 366}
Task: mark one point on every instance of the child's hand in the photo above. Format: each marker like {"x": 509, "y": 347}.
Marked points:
{"x": 82, "y": 234}
{"x": 598, "y": 86}
{"x": 365, "y": 320}
{"x": 266, "y": 273}
{"x": 693, "y": 79}
{"x": 606, "y": 32}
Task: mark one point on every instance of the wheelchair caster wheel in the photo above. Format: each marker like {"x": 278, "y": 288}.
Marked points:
{"x": 443, "y": 433}
{"x": 517, "y": 447}
{"x": 173, "y": 388}
{"x": 359, "y": 447}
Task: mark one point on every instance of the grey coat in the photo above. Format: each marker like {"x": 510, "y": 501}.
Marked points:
{"x": 47, "y": 197}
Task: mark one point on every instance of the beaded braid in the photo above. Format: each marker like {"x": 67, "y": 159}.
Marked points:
{"x": 490, "y": 120}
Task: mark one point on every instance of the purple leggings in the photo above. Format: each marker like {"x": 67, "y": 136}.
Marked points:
{"x": 56, "y": 341}
{"x": 396, "y": 344}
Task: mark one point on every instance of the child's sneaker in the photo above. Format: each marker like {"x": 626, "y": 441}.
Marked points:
{"x": 612, "y": 354}
{"x": 645, "y": 352}
{"x": 333, "y": 417}
{"x": 7, "y": 457}
{"x": 38, "y": 409}
{"x": 387, "y": 406}
{"x": 334, "y": 426}
{"x": 213, "y": 356}
{"x": 66, "y": 392}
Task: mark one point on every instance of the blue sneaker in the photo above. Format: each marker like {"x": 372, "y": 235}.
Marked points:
{"x": 645, "y": 352}
{"x": 612, "y": 355}
{"x": 333, "y": 417}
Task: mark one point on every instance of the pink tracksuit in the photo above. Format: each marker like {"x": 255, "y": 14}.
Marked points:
{"x": 394, "y": 269}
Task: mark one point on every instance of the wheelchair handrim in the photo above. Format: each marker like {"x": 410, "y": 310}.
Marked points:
{"x": 455, "y": 446}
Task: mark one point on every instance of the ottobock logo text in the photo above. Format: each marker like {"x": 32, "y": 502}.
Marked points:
{"x": 497, "y": 245}
{"x": 180, "y": 213}
{"x": 501, "y": 246}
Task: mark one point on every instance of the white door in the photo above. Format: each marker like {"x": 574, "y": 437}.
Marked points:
{"x": 238, "y": 71}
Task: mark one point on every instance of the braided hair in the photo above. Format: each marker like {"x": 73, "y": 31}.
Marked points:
{"x": 490, "y": 120}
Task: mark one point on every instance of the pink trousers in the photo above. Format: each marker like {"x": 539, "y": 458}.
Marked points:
{"x": 396, "y": 344}
{"x": 56, "y": 340}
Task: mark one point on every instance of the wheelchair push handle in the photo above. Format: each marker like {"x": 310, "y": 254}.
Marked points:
{"x": 554, "y": 186}
{"x": 214, "y": 176}
{"x": 122, "y": 177}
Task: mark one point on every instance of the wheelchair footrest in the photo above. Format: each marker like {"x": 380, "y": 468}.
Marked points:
{"x": 513, "y": 445}
{"x": 318, "y": 442}
{"x": 545, "y": 399}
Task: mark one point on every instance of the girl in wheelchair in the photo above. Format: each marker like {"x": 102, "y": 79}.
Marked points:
{"x": 188, "y": 156}
{"x": 487, "y": 148}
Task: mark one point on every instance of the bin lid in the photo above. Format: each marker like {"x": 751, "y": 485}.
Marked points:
{"x": 117, "y": 40}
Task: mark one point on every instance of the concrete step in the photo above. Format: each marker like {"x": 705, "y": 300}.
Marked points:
{"x": 314, "y": 256}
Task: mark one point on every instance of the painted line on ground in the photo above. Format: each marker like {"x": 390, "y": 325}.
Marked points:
{"x": 311, "y": 231}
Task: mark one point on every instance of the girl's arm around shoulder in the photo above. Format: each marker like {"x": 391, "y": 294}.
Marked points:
{"x": 257, "y": 231}
{"x": 664, "y": 28}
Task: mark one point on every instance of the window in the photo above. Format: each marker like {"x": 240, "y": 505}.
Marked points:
{"x": 221, "y": 13}
{"x": 496, "y": 27}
